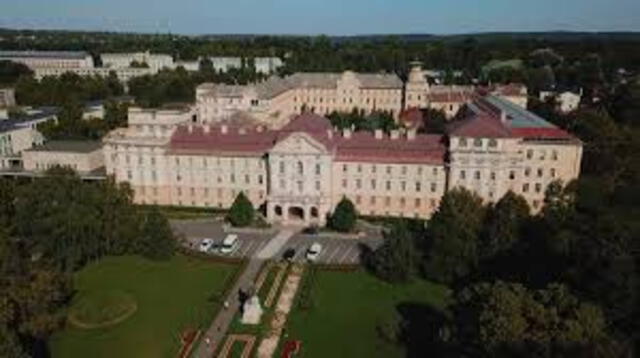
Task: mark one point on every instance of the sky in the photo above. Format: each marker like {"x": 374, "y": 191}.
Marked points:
{"x": 330, "y": 17}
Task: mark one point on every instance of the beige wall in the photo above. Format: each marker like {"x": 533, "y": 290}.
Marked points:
{"x": 524, "y": 167}
{"x": 38, "y": 161}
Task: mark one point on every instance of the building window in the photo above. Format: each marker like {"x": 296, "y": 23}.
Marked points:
{"x": 554, "y": 155}
{"x": 418, "y": 186}
{"x": 403, "y": 201}
{"x": 300, "y": 186}
{"x": 493, "y": 175}
{"x": 435, "y": 172}
{"x": 232, "y": 178}
{"x": 359, "y": 168}
{"x": 434, "y": 187}
{"x": 300, "y": 168}
{"x": 463, "y": 174}
{"x": 344, "y": 183}
{"x": 529, "y": 153}
{"x": 543, "y": 155}
{"x": 404, "y": 170}
{"x": 344, "y": 168}
{"x": 247, "y": 180}
{"x": 129, "y": 175}
{"x": 527, "y": 172}
{"x": 318, "y": 169}
{"x": 552, "y": 171}
{"x": 403, "y": 185}
{"x": 462, "y": 142}
{"x": 318, "y": 185}
{"x": 358, "y": 183}
{"x": 538, "y": 187}
{"x": 493, "y": 143}
{"x": 260, "y": 179}
{"x": 417, "y": 202}
{"x": 477, "y": 175}
{"x": 540, "y": 172}
{"x": 525, "y": 188}
{"x": 388, "y": 169}
{"x": 536, "y": 203}
{"x": 512, "y": 175}
{"x": 282, "y": 184}
{"x": 373, "y": 168}
{"x": 388, "y": 185}
{"x": 281, "y": 167}
{"x": 373, "y": 184}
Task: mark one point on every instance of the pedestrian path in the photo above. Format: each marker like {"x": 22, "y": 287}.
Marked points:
{"x": 218, "y": 329}
{"x": 276, "y": 244}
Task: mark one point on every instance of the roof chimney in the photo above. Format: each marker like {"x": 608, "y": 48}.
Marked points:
{"x": 378, "y": 133}
{"x": 395, "y": 134}
{"x": 503, "y": 116}
{"x": 411, "y": 134}
{"x": 346, "y": 133}
{"x": 224, "y": 129}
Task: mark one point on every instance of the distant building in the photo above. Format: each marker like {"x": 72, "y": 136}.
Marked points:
{"x": 224, "y": 64}
{"x": 567, "y": 101}
{"x": 276, "y": 100}
{"x": 155, "y": 62}
{"x": 191, "y": 66}
{"x": 54, "y": 59}
{"x": 7, "y": 97}
{"x": 81, "y": 156}
{"x": 267, "y": 65}
{"x": 123, "y": 74}
{"x": 18, "y": 135}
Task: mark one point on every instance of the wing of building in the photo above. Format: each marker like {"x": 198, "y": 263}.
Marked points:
{"x": 277, "y": 99}
{"x": 299, "y": 171}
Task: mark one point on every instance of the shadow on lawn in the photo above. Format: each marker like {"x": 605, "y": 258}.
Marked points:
{"x": 421, "y": 330}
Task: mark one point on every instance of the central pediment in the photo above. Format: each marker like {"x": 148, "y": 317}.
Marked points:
{"x": 299, "y": 143}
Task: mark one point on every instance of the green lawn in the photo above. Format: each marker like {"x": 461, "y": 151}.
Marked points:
{"x": 170, "y": 296}
{"x": 347, "y": 307}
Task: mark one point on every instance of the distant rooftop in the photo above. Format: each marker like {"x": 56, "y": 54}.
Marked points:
{"x": 44, "y": 54}
{"x": 74, "y": 146}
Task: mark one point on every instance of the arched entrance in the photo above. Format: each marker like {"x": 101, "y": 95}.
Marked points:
{"x": 278, "y": 210}
{"x": 314, "y": 212}
{"x": 296, "y": 213}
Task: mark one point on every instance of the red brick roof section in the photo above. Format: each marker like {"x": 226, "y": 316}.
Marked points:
{"x": 481, "y": 125}
{"x": 362, "y": 146}
{"x": 237, "y": 141}
{"x": 412, "y": 117}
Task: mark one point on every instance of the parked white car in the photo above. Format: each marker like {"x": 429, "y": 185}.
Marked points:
{"x": 229, "y": 244}
{"x": 314, "y": 251}
{"x": 206, "y": 245}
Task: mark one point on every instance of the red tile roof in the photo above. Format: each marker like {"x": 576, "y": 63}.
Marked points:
{"x": 361, "y": 146}
{"x": 481, "y": 125}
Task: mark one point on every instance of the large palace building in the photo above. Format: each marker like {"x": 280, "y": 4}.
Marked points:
{"x": 300, "y": 170}
{"x": 276, "y": 99}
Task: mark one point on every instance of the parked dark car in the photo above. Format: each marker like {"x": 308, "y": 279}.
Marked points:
{"x": 289, "y": 254}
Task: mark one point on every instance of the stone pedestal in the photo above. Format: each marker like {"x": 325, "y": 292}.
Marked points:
{"x": 252, "y": 311}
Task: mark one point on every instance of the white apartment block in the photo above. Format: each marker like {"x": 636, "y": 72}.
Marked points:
{"x": 156, "y": 62}
{"x": 55, "y": 59}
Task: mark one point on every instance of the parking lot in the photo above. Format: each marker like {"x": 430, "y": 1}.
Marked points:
{"x": 335, "y": 251}
{"x": 194, "y": 231}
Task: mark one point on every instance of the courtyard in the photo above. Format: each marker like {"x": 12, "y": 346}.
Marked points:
{"x": 130, "y": 306}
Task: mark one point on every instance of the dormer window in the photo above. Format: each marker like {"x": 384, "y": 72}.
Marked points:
{"x": 462, "y": 142}
{"x": 477, "y": 142}
{"x": 493, "y": 143}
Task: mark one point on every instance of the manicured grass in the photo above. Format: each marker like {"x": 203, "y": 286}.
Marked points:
{"x": 170, "y": 296}
{"x": 346, "y": 309}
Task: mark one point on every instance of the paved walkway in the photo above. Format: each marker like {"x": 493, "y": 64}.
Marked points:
{"x": 220, "y": 324}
